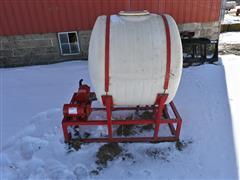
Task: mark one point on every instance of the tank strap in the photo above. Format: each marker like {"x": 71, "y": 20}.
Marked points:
{"x": 107, "y": 45}
{"x": 168, "y": 45}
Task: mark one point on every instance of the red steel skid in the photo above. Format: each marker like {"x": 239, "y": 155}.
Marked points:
{"x": 158, "y": 108}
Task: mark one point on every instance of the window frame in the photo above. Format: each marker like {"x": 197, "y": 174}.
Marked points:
{"x": 60, "y": 43}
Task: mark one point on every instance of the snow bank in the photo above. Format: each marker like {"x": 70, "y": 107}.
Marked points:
{"x": 229, "y": 38}
{"x": 232, "y": 64}
{"x": 231, "y": 19}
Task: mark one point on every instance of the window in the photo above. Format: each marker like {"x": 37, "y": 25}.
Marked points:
{"x": 69, "y": 44}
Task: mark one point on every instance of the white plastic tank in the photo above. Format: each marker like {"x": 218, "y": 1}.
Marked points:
{"x": 137, "y": 58}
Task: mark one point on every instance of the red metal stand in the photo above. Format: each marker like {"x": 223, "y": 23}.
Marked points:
{"x": 77, "y": 112}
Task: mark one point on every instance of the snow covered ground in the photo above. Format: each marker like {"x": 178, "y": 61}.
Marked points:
{"x": 32, "y": 145}
{"x": 229, "y": 43}
{"x": 231, "y": 18}
{"x": 229, "y": 38}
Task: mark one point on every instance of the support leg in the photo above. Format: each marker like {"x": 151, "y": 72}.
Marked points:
{"x": 65, "y": 132}
{"x": 179, "y": 125}
{"x": 161, "y": 99}
{"x": 170, "y": 125}
{"x": 108, "y": 103}
{"x": 179, "y": 120}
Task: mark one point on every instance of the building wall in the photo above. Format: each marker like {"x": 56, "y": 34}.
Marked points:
{"x": 209, "y": 30}
{"x": 37, "y": 49}
{"x": 28, "y": 28}
{"x": 45, "y": 16}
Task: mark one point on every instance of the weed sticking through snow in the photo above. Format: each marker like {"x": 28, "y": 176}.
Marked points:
{"x": 125, "y": 130}
{"x": 108, "y": 152}
{"x": 157, "y": 153}
{"x": 74, "y": 144}
{"x": 181, "y": 145}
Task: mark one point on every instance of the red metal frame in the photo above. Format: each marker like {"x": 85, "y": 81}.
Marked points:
{"x": 77, "y": 112}
{"x": 81, "y": 119}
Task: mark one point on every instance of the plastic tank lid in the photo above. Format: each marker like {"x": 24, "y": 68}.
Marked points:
{"x": 134, "y": 13}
